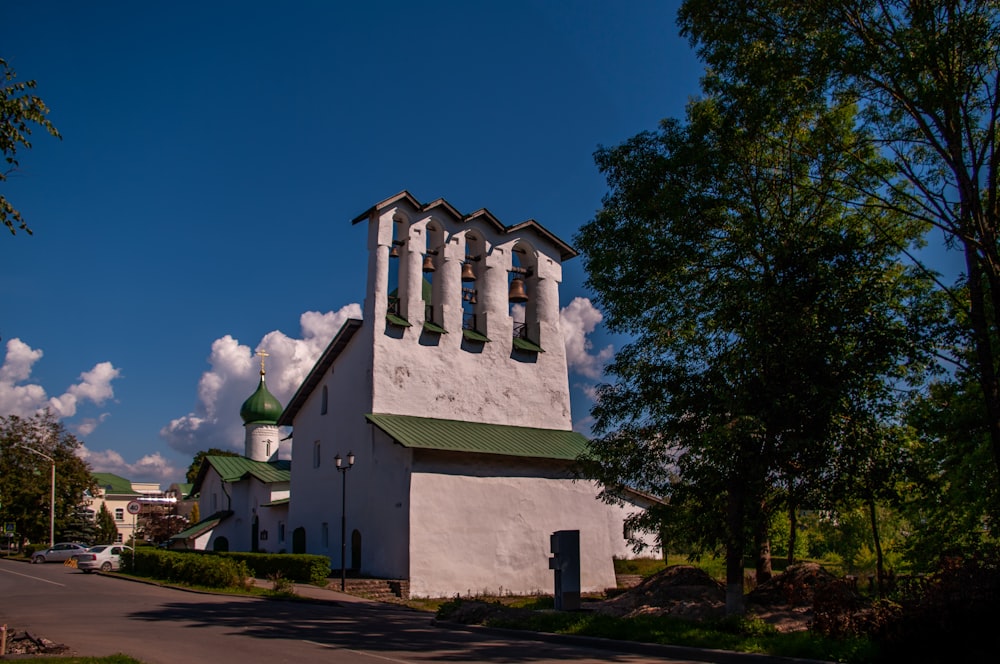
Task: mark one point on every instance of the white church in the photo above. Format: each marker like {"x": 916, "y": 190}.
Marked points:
{"x": 443, "y": 417}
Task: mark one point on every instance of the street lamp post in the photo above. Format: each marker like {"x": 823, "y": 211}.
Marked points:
{"x": 342, "y": 469}
{"x": 52, "y": 495}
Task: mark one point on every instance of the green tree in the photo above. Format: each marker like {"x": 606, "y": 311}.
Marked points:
{"x": 80, "y": 527}
{"x": 25, "y": 484}
{"x": 19, "y": 110}
{"x": 107, "y": 530}
{"x": 195, "y": 515}
{"x": 759, "y": 303}
{"x": 199, "y": 457}
{"x": 925, "y": 74}
{"x": 952, "y": 494}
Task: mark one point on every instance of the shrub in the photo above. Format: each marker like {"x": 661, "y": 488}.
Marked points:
{"x": 189, "y": 568}
{"x": 297, "y": 567}
{"x": 960, "y": 601}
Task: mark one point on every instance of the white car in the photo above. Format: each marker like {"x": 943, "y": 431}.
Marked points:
{"x": 104, "y": 557}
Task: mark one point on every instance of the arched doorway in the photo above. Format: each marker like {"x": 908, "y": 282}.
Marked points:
{"x": 299, "y": 540}
{"x": 220, "y": 544}
{"x": 255, "y": 534}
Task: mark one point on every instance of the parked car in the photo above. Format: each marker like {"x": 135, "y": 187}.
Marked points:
{"x": 104, "y": 557}
{"x": 59, "y": 553}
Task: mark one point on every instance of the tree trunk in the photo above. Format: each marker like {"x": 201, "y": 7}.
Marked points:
{"x": 793, "y": 515}
{"x": 763, "y": 546}
{"x": 734, "y": 553}
{"x": 983, "y": 337}
{"x": 879, "y": 569}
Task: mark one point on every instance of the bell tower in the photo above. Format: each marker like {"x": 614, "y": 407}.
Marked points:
{"x": 464, "y": 316}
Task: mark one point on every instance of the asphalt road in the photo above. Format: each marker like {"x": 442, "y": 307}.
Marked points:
{"x": 98, "y": 615}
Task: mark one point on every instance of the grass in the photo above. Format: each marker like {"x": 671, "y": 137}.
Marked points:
{"x": 747, "y": 635}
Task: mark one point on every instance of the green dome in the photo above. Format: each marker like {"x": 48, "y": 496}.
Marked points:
{"x": 262, "y": 406}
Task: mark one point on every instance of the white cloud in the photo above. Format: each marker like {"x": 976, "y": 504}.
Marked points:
{"x": 86, "y": 426}
{"x": 149, "y": 468}
{"x": 579, "y": 319}
{"x": 234, "y": 374}
{"x": 17, "y": 397}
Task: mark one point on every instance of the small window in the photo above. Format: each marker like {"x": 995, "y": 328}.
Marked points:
{"x": 316, "y": 456}
{"x": 119, "y": 514}
{"x": 326, "y": 535}
{"x": 119, "y": 538}
{"x": 323, "y": 403}
{"x": 281, "y": 531}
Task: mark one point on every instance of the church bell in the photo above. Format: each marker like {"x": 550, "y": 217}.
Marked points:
{"x": 468, "y": 274}
{"x": 516, "y": 293}
{"x": 428, "y": 264}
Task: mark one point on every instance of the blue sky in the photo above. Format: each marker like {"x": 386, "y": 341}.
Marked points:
{"x": 214, "y": 153}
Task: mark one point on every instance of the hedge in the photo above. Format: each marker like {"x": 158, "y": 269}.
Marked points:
{"x": 220, "y": 569}
{"x": 209, "y": 571}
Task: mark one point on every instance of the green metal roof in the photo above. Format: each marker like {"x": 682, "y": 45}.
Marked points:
{"x": 202, "y": 526}
{"x": 112, "y": 483}
{"x": 472, "y": 335}
{"x": 524, "y": 344}
{"x": 453, "y": 435}
{"x": 231, "y": 469}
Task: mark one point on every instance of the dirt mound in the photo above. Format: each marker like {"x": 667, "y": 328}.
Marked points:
{"x": 796, "y": 586}
{"x": 681, "y": 591}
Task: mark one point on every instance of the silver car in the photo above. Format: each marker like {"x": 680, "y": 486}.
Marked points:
{"x": 59, "y": 553}
{"x": 104, "y": 557}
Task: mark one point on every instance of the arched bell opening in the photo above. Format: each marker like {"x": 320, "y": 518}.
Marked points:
{"x": 396, "y": 248}
{"x": 473, "y": 270}
{"x": 520, "y": 291}
{"x": 432, "y": 262}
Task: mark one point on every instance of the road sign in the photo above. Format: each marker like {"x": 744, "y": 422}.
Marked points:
{"x": 134, "y": 507}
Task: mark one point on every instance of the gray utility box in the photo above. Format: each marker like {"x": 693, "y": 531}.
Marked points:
{"x": 565, "y": 545}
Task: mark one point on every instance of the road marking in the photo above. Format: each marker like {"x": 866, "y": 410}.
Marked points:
{"x": 358, "y": 652}
{"x": 36, "y": 578}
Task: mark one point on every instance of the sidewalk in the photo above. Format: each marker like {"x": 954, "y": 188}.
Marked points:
{"x": 310, "y": 591}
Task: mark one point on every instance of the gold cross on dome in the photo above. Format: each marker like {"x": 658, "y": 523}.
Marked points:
{"x": 263, "y": 354}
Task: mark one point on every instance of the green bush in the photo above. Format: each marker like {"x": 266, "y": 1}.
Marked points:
{"x": 188, "y": 568}
{"x": 217, "y": 569}
{"x": 296, "y": 567}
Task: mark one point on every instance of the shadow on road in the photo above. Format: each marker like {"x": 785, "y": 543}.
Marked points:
{"x": 377, "y": 628}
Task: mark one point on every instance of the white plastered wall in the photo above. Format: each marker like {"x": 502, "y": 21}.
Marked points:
{"x": 377, "y": 484}
{"x": 482, "y": 524}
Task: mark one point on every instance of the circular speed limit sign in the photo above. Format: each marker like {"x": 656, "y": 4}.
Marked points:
{"x": 133, "y": 507}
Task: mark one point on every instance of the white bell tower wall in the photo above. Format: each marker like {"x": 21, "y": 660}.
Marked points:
{"x": 424, "y": 362}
